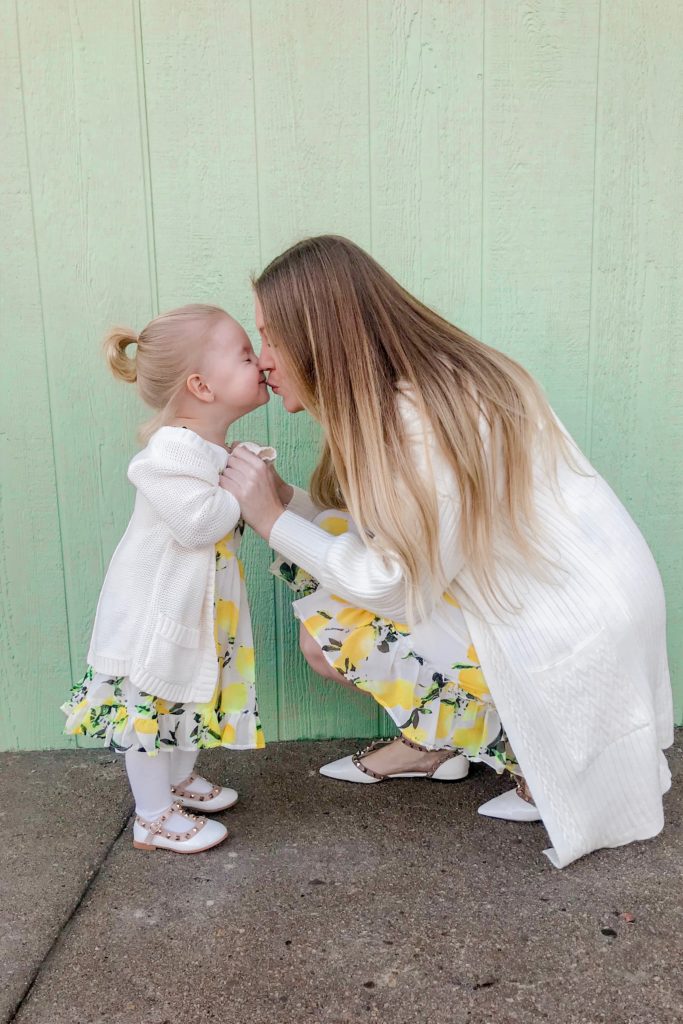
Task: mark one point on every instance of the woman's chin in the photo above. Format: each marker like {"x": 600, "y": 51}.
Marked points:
{"x": 291, "y": 405}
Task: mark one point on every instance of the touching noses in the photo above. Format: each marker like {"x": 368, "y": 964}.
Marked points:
{"x": 265, "y": 361}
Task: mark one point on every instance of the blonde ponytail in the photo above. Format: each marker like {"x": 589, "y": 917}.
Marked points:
{"x": 123, "y": 367}
{"x": 168, "y": 350}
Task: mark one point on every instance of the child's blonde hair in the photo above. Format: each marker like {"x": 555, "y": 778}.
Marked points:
{"x": 166, "y": 355}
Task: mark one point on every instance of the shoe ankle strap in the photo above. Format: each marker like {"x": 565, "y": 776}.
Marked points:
{"x": 156, "y": 827}
{"x": 183, "y": 789}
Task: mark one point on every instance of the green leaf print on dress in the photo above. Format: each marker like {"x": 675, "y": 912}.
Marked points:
{"x": 116, "y": 712}
{"x": 440, "y": 710}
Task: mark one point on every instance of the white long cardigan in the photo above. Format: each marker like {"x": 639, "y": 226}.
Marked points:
{"x": 155, "y": 616}
{"x": 579, "y": 674}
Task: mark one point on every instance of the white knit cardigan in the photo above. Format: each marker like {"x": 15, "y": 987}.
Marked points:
{"x": 155, "y": 620}
{"x": 579, "y": 673}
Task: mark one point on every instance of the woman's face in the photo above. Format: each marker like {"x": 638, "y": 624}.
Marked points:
{"x": 271, "y": 363}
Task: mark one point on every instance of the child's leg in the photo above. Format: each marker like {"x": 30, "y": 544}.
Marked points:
{"x": 149, "y": 778}
{"x": 149, "y": 781}
{"x": 182, "y": 764}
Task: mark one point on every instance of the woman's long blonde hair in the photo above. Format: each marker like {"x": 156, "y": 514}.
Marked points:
{"x": 350, "y": 337}
{"x": 166, "y": 355}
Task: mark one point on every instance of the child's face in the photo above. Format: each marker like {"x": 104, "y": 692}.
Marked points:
{"x": 270, "y": 361}
{"x": 229, "y": 366}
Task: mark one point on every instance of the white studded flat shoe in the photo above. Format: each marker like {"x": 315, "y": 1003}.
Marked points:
{"x": 351, "y": 768}
{"x": 220, "y": 798}
{"x": 201, "y": 835}
{"x": 510, "y": 807}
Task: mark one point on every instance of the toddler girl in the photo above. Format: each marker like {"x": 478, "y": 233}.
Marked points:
{"x": 171, "y": 659}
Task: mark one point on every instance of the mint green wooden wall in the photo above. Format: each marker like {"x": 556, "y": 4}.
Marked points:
{"x": 516, "y": 164}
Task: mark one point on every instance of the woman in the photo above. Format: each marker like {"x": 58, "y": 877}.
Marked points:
{"x": 459, "y": 558}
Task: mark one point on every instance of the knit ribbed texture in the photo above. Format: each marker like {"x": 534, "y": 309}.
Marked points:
{"x": 578, "y": 670}
{"x": 155, "y": 620}
{"x": 302, "y": 504}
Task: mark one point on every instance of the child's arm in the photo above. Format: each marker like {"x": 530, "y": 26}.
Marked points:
{"x": 196, "y": 509}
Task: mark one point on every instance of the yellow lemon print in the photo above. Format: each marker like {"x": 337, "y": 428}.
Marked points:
{"x": 240, "y": 566}
{"x": 234, "y": 697}
{"x": 449, "y": 599}
{"x": 227, "y": 616}
{"x": 121, "y": 714}
{"x": 399, "y": 693}
{"x": 444, "y": 724}
{"x": 469, "y": 739}
{"x": 472, "y": 680}
{"x": 415, "y": 733}
{"x": 260, "y": 740}
{"x": 472, "y": 654}
{"x": 145, "y": 725}
{"x": 163, "y": 707}
{"x": 228, "y": 734}
{"x": 315, "y": 623}
{"x": 206, "y": 712}
{"x": 335, "y": 525}
{"x": 223, "y": 549}
{"x": 356, "y": 647}
{"x": 354, "y": 617}
{"x": 244, "y": 663}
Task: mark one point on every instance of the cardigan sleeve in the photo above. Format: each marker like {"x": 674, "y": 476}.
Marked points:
{"x": 302, "y": 504}
{"x": 352, "y": 569}
{"x": 196, "y": 510}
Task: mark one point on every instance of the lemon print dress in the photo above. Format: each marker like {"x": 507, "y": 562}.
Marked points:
{"x": 437, "y": 696}
{"x": 116, "y": 712}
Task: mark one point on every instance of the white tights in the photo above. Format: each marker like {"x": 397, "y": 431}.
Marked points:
{"x": 151, "y": 778}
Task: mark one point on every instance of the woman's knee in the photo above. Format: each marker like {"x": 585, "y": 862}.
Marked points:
{"x": 310, "y": 649}
{"x": 315, "y": 657}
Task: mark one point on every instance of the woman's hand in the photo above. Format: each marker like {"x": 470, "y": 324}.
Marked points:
{"x": 285, "y": 491}
{"x": 255, "y": 485}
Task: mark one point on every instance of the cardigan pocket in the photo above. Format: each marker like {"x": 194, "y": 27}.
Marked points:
{"x": 173, "y": 650}
{"x": 590, "y": 701}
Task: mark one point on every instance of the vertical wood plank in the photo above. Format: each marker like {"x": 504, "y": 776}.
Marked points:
{"x": 539, "y": 133}
{"x": 425, "y": 74}
{"x": 156, "y": 153}
{"x": 312, "y": 139}
{"x": 199, "y": 88}
{"x": 84, "y": 142}
{"x": 34, "y": 649}
{"x": 635, "y": 410}
{"x": 426, "y": 70}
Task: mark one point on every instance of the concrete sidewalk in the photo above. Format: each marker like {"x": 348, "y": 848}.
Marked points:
{"x": 331, "y": 903}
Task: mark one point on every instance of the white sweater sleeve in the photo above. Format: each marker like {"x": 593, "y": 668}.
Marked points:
{"x": 184, "y": 493}
{"x": 352, "y": 569}
{"x": 302, "y": 504}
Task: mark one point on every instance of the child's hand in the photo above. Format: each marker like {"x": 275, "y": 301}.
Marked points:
{"x": 254, "y": 484}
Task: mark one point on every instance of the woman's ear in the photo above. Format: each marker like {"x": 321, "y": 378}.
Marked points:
{"x": 198, "y": 387}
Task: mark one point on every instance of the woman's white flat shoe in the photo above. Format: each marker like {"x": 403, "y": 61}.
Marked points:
{"x": 510, "y": 807}
{"x": 352, "y": 769}
{"x": 219, "y": 798}
{"x": 201, "y": 834}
